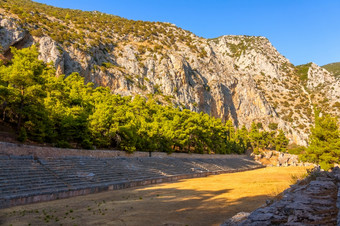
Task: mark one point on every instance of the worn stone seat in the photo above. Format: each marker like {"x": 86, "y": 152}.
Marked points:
{"x": 24, "y": 177}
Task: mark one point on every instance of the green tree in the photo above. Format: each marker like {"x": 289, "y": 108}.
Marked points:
{"x": 281, "y": 141}
{"x": 255, "y": 136}
{"x": 22, "y": 91}
{"x": 23, "y": 77}
{"x": 324, "y": 142}
{"x": 242, "y": 138}
{"x": 103, "y": 123}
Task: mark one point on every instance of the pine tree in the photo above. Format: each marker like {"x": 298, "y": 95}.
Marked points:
{"x": 324, "y": 142}
{"x": 243, "y": 139}
{"x": 255, "y": 136}
{"x": 281, "y": 141}
{"x": 22, "y": 91}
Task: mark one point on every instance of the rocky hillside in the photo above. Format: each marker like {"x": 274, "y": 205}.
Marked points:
{"x": 323, "y": 87}
{"x": 241, "y": 78}
{"x": 333, "y": 68}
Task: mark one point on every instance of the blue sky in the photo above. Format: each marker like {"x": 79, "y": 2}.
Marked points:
{"x": 301, "y": 30}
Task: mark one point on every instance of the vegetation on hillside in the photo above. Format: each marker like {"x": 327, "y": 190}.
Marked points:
{"x": 324, "y": 142}
{"x": 302, "y": 72}
{"x": 67, "y": 112}
{"x": 86, "y": 29}
{"x": 333, "y": 68}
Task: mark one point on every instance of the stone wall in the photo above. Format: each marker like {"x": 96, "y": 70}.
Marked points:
{"x": 312, "y": 201}
{"x": 40, "y": 151}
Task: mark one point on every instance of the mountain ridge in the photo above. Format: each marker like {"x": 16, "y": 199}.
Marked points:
{"x": 242, "y": 78}
{"x": 333, "y": 68}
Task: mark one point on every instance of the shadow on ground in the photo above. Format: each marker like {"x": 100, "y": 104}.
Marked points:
{"x": 143, "y": 206}
{"x": 199, "y": 201}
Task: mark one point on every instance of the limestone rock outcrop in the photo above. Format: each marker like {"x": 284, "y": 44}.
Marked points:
{"x": 10, "y": 34}
{"x": 50, "y": 51}
{"x": 318, "y": 76}
{"x": 325, "y": 87}
{"x": 276, "y": 158}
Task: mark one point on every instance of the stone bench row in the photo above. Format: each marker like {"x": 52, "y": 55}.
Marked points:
{"x": 24, "y": 177}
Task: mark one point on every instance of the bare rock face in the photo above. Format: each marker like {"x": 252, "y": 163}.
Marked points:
{"x": 10, "y": 33}
{"x": 50, "y": 51}
{"x": 318, "y": 76}
{"x": 312, "y": 201}
{"x": 325, "y": 87}
{"x": 241, "y": 78}
{"x": 275, "y": 158}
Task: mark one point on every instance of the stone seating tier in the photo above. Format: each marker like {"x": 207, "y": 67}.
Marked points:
{"x": 28, "y": 179}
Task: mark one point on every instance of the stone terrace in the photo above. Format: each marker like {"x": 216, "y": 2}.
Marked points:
{"x": 33, "y": 176}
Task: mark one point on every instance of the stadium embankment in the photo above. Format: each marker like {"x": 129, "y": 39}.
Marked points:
{"x": 31, "y": 174}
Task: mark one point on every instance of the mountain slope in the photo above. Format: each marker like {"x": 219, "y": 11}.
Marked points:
{"x": 241, "y": 78}
{"x": 323, "y": 87}
{"x": 333, "y": 68}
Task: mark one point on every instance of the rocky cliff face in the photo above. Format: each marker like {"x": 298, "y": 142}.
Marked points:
{"x": 324, "y": 89}
{"x": 241, "y": 78}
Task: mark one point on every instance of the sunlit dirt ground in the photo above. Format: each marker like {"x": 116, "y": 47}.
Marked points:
{"x": 199, "y": 201}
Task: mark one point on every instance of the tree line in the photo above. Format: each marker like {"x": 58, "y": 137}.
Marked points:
{"x": 67, "y": 112}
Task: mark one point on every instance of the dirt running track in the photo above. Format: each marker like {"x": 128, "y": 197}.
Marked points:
{"x": 199, "y": 201}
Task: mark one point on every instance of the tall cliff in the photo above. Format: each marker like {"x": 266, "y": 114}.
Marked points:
{"x": 241, "y": 78}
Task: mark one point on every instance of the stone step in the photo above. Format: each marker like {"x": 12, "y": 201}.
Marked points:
{"x": 23, "y": 177}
